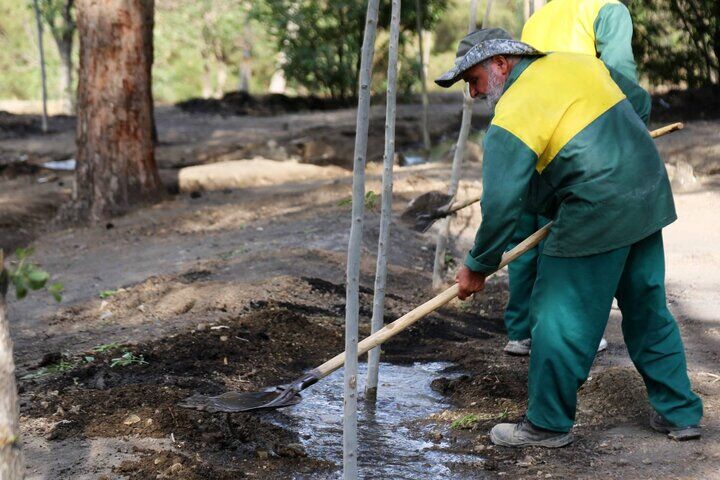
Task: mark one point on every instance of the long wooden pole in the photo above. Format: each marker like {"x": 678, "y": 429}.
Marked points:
{"x": 352, "y": 307}
{"x": 386, "y": 209}
{"x": 11, "y": 458}
{"x": 444, "y": 231}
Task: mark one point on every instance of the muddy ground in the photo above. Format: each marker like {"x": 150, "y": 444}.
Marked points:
{"x": 243, "y": 288}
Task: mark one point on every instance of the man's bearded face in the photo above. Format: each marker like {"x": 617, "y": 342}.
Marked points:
{"x": 495, "y": 86}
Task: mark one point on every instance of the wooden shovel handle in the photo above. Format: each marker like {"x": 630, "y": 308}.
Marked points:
{"x": 659, "y": 132}
{"x": 392, "y": 329}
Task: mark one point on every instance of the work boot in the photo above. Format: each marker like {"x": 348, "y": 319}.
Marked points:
{"x": 525, "y": 434}
{"x": 660, "y": 424}
{"x": 603, "y": 345}
{"x": 518, "y": 347}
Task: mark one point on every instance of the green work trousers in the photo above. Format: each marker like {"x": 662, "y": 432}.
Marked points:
{"x": 521, "y": 277}
{"x": 569, "y": 309}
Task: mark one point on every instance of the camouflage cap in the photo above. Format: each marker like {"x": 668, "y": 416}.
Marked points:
{"x": 480, "y": 45}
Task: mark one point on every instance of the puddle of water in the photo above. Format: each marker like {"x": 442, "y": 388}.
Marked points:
{"x": 390, "y": 442}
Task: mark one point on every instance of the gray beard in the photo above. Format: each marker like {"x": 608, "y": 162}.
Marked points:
{"x": 495, "y": 90}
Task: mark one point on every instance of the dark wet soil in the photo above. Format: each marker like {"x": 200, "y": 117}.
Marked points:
{"x": 243, "y": 103}
{"x": 268, "y": 344}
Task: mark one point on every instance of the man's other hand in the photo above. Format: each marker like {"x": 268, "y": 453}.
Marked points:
{"x": 469, "y": 282}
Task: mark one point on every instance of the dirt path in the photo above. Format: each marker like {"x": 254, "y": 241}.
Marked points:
{"x": 242, "y": 289}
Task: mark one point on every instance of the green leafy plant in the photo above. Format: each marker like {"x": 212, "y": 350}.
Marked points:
{"x": 372, "y": 200}
{"x": 106, "y": 347}
{"x": 61, "y": 367}
{"x": 504, "y": 414}
{"x": 128, "y": 358}
{"x": 449, "y": 260}
{"x": 27, "y": 276}
{"x": 107, "y": 293}
{"x": 465, "y": 423}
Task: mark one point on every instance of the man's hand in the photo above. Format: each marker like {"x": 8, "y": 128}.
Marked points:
{"x": 469, "y": 282}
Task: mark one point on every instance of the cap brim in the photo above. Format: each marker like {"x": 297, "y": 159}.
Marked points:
{"x": 449, "y": 78}
{"x": 481, "y": 52}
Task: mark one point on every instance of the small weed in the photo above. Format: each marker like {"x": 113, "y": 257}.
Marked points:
{"x": 60, "y": 367}
{"x": 449, "y": 260}
{"x": 128, "y": 358}
{"x": 465, "y": 306}
{"x": 371, "y": 201}
{"x": 504, "y": 414}
{"x": 107, "y": 293}
{"x": 106, "y": 347}
{"x": 232, "y": 253}
{"x": 465, "y": 423}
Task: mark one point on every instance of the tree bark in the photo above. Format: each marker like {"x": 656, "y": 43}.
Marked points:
{"x": 11, "y": 458}
{"x": 115, "y": 153}
{"x": 386, "y": 210}
{"x": 352, "y": 305}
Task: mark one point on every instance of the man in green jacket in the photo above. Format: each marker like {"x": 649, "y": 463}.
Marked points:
{"x": 601, "y": 28}
{"x": 563, "y": 128}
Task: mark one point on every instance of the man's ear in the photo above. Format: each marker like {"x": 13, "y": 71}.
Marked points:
{"x": 502, "y": 63}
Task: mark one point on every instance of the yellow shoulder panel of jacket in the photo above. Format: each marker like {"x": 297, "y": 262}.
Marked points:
{"x": 553, "y": 100}
{"x": 564, "y": 26}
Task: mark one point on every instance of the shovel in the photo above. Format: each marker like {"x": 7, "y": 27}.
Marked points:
{"x": 287, "y": 395}
{"x": 422, "y": 211}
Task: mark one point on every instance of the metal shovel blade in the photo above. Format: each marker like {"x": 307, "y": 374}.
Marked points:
{"x": 270, "y": 399}
{"x": 232, "y": 402}
{"x": 422, "y": 211}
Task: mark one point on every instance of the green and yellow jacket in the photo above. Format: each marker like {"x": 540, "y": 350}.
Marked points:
{"x": 568, "y": 141}
{"x": 601, "y": 28}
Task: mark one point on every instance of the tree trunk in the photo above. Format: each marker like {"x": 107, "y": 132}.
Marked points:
{"x": 62, "y": 26}
{"x": 44, "y": 124}
{"x": 386, "y": 209}
{"x": 65, "y": 81}
{"x": 352, "y": 305}
{"x": 115, "y": 153}
{"x": 526, "y": 9}
{"x": 11, "y": 458}
{"x": 245, "y": 73}
{"x": 206, "y": 79}
{"x": 444, "y": 224}
{"x": 423, "y": 81}
{"x": 220, "y": 79}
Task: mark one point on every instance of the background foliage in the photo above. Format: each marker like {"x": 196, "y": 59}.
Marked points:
{"x": 677, "y": 42}
{"x": 200, "y": 46}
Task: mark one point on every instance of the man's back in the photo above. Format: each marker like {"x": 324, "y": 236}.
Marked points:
{"x": 601, "y": 28}
{"x": 582, "y": 131}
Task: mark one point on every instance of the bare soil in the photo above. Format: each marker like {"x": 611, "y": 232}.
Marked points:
{"x": 243, "y": 288}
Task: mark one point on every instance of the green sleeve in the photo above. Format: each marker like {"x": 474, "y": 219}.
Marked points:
{"x": 638, "y": 97}
{"x": 508, "y": 165}
{"x": 613, "y": 39}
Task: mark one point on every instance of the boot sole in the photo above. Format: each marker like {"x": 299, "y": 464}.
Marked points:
{"x": 679, "y": 435}
{"x": 557, "y": 442}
